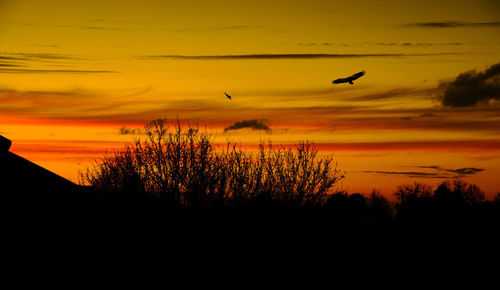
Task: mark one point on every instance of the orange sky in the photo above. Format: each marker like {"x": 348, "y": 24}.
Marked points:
{"x": 76, "y": 75}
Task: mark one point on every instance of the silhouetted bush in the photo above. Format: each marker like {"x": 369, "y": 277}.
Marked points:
{"x": 182, "y": 166}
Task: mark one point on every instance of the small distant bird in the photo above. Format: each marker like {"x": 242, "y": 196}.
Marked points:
{"x": 349, "y": 79}
{"x": 228, "y": 96}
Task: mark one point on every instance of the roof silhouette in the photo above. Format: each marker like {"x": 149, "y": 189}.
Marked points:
{"x": 20, "y": 178}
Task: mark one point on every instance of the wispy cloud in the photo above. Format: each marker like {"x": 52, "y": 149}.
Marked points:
{"x": 401, "y": 44}
{"x": 451, "y": 24}
{"x": 461, "y": 171}
{"x": 3, "y": 57}
{"x": 396, "y": 93}
{"x": 125, "y": 108}
{"x": 8, "y": 64}
{"x": 33, "y": 63}
{"x": 428, "y": 115}
{"x": 435, "y": 171}
{"x": 66, "y": 26}
{"x": 93, "y": 27}
{"x": 82, "y": 106}
{"x": 393, "y": 121}
{"x": 392, "y": 44}
{"x": 418, "y": 174}
{"x": 271, "y": 56}
{"x": 314, "y": 44}
{"x": 47, "y": 45}
{"x": 312, "y": 93}
{"x": 470, "y": 88}
{"x": 35, "y": 56}
{"x": 77, "y": 71}
{"x": 50, "y": 105}
{"x": 418, "y": 44}
{"x": 73, "y": 150}
{"x": 436, "y": 146}
{"x": 223, "y": 28}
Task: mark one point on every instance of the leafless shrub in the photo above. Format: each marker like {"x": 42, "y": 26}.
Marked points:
{"x": 183, "y": 166}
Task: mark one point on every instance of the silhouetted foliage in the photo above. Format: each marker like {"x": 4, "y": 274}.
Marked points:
{"x": 414, "y": 202}
{"x": 496, "y": 199}
{"x": 409, "y": 193}
{"x": 182, "y": 166}
{"x": 178, "y": 177}
{"x": 381, "y": 211}
{"x": 453, "y": 204}
{"x": 458, "y": 191}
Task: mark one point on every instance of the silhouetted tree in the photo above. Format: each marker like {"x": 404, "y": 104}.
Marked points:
{"x": 285, "y": 189}
{"x": 458, "y": 191}
{"x": 380, "y": 211}
{"x": 413, "y": 192}
{"x": 183, "y": 166}
{"x": 496, "y": 199}
{"x": 415, "y": 204}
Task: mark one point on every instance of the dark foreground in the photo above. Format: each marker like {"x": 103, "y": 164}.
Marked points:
{"x": 263, "y": 231}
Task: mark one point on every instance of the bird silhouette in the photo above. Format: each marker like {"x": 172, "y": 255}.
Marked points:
{"x": 228, "y": 96}
{"x": 349, "y": 79}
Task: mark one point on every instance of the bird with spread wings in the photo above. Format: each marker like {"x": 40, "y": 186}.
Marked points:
{"x": 349, "y": 79}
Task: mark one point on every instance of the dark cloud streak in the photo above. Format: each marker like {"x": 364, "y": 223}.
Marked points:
{"x": 395, "y": 93}
{"x": 6, "y": 64}
{"x": 438, "y": 172}
{"x": 129, "y": 131}
{"x": 19, "y": 70}
{"x": 408, "y": 173}
{"x": 287, "y": 56}
{"x": 21, "y": 62}
{"x": 222, "y": 28}
{"x": 451, "y": 24}
{"x": 252, "y": 124}
{"x": 22, "y": 56}
{"x": 314, "y": 44}
{"x": 461, "y": 171}
{"x": 418, "y": 44}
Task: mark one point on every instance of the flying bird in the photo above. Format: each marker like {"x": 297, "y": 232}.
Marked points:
{"x": 228, "y": 96}
{"x": 349, "y": 79}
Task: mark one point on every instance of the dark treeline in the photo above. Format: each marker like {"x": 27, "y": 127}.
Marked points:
{"x": 177, "y": 186}
{"x": 180, "y": 175}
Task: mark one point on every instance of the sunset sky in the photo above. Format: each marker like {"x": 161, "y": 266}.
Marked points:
{"x": 78, "y": 78}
